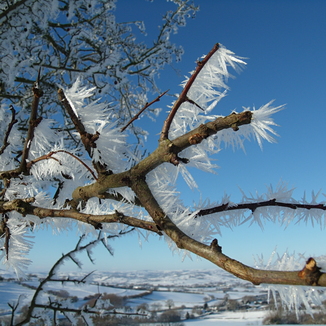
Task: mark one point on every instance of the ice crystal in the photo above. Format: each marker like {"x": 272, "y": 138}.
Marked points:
{"x": 16, "y": 246}
{"x": 111, "y": 147}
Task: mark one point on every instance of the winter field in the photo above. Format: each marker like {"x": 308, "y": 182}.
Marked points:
{"x": 205, "y": 298}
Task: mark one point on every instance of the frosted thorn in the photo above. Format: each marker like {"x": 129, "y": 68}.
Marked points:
{"x": 235, "y": 127}
{"x": 36, "y": 88}
{"x": 175, "y": 160}
{"x": 214, "y": 246}
{"x": 120, "y": 216}
{"x": 184, "y": 160}
{"x": 194, "y": 103}
{"x": 311, "y": 272}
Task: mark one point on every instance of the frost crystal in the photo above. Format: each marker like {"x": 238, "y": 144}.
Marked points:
{"x": 13, "y": 253}
{"x": 111, "y": 147}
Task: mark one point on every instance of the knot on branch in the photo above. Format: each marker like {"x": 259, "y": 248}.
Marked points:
{"x": 311, "y": 272}
{"x": 37, "y": 92}
{"x": 241, "y": 119}
{"x": 195, "y": 139}
{"x": 119, "y": 215}
{"x": 90, "y": 139}
{"x": 21, "y": 206}
{"x": 175, "y": 160}
{"x": 36, "y": 122}
{"x": 215, "y": 246}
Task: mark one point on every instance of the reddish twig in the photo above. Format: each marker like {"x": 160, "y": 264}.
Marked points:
{"x": 10, "y": 125}
{"x": 183, "y": 96}
{"x": 142, "y": 110}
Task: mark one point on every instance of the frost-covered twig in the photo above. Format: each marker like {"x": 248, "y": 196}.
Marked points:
{"x": 33, "y": 122}
{"x": 87, "y": 138}
{"x": 183, "y": 96}
{"x": 24, "y": 207}
{"x": 10, "y": 125}
{"x": 49, "y": 156}
{"x": 253, "y": 206}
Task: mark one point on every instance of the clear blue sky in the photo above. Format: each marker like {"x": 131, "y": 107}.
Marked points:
{"x": 285, "y": 43}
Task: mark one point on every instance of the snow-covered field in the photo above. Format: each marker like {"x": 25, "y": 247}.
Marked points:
{"x": 186, "y": 289}
{"x": 229, "y": 319}
{"x": 10, "y": 292}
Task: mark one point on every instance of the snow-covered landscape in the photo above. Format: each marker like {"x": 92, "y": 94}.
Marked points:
{"x": 182, "y": 297}
{"x": 200, "y": 297}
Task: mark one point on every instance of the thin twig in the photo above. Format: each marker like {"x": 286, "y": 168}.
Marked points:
{"x": 183, "y": 96}
{"x": 254, "y": 206}
{"x": 87, "y": 139}
{"x": 7, "y": 236}
{"x": 10, "y": 125}
{"x": 49, "y": 156}
{"x": 33, "y": 122}
{"x": 142, "y": 110}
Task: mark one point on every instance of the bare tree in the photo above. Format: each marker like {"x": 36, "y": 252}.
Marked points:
{"x": 103, "y": 182}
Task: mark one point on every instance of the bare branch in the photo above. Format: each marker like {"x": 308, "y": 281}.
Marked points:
{"x": 5, "y": 231}
{"x": 54, "y": 305}
{"x": 86, "y": 138}
{"x": 167, "y": 151}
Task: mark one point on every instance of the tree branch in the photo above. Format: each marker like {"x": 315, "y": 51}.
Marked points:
{"x": 33, "y": 123}
{"x": 55, "y": 306}
{"x": 254, "y": 206}
{"x": 183, "y": 96}
{"x": 88, "y": 140}
{"x": 25, "y": 207}
{"x": 12, "y": 7}
{"x": 167, "y": 151}
{"x": 213, "y": 251}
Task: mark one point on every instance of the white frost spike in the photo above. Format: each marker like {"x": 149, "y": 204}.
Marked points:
{"x": 111, "y": 147}
{"x": 76, "y": 95}
{"x": 262, "y": 122}
{"x": 19, "y": 247}
{"x": 227, "y": 58}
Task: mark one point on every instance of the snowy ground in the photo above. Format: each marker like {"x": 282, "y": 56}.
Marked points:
{"x": 154, "y": 288}
{"x": 229, "y": 319}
